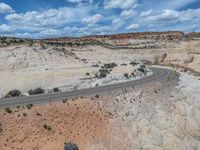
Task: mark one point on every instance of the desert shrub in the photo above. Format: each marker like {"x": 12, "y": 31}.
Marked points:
{"x": 102, "y": 75}
{"x": 105, "y": 70}
{"x": 38, "y": 114}
{"x": 36, "y": 91}
{"x": 70, "y": 146}
{"x": 29, "y": 106}
{"x": 133, "y": 74}
{"x": 124, "y": 64}
{"x": 47, "y": 127}
{"x": 56, "y": 89}
{"x": 95, "y": 65}
{"x": 126, "y": 75}
{"x": 142, "y": 69}
{"x": 18, "y": 107}
{"x": 87, "y": 73}
{"x": 109, "y": 65}
{"x": 14, "y": 93}
{"x": 24, "y": 114}
{"x": 133, "y": 63}
{"x": 97, "y": 96}
{"x": 8, "y": 110}
{"x": 64, "y": 101}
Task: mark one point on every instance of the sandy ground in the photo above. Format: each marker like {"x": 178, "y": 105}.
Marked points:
{"x": 79, "y": 121}
{"x": 160, "y": 116}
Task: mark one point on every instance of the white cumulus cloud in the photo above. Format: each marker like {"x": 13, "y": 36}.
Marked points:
{"x": 5, "y": 8}
{"x": 123, "y": 4}
{"x": 146, "y": 13}
{"x": 5, "y": 28}
{"x": 46, "y": 19}
{"x": 92, "y": 20}
{"x": 165, "y": 16}
{"x": 127, "y": 14}
{"x": 117, "y": 23}
{"x": 75, "y": 1}
{"x": 133, "y": 26}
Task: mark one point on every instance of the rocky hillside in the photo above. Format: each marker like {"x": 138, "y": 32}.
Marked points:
{"x": 129, "y": 40}
{"x": 142, "y": 40}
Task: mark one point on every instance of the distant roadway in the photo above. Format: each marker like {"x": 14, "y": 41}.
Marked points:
{"x": 157, "y": 76}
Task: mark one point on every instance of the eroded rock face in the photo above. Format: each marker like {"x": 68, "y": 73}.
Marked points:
{"x": 155, "y": 117}
{"x": 148, "y": 120}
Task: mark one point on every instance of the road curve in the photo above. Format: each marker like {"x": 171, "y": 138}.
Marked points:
{"x": 157, "y": 76}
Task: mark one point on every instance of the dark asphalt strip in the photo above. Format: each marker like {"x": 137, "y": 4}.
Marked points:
{"x": 158, "y": 75}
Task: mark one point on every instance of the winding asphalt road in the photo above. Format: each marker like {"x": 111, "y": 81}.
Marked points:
{"x": 157, "y": 76}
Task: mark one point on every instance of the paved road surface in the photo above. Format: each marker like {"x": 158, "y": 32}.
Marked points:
{"x": 157, "y": 76}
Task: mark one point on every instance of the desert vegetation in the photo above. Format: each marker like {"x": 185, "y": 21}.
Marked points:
{"x": 29, "y": 106}
{"x": 13, "y": 93}
{"x": 36, "y": 91}
{"x": 55, "y": 90}
{"x": 8, "y": 110}
{"x": 105, "y": 70}
{"x": 47, "y": 127}
{"x": 126, "y": 75}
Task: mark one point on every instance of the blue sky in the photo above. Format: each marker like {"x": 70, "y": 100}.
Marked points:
{"x": 55, "y": 18}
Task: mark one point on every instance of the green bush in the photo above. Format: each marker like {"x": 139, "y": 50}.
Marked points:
{"x": 56, "y": 90}
{"x": 24, "y": 114}
{"x": 8, "y": 110}
{"x": 102, "y": 74}
{"x": 47, "y": 127}
{"x": 105, "y": 70}
{"x": 109, "y": 65}
{"x": 87, "y": 73}
{"x": 29, "y": 106}
{"x": 36, "y": 91}
{"x": 133, "y": 63}
{"x": 126, "y": 75}
{"x": 97, "y": 96}
{"x": 14, "y": 93}
{"x": 142, "y": 69}
{"x": 133, "y": 74}
{"x": 64, "y": 101}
